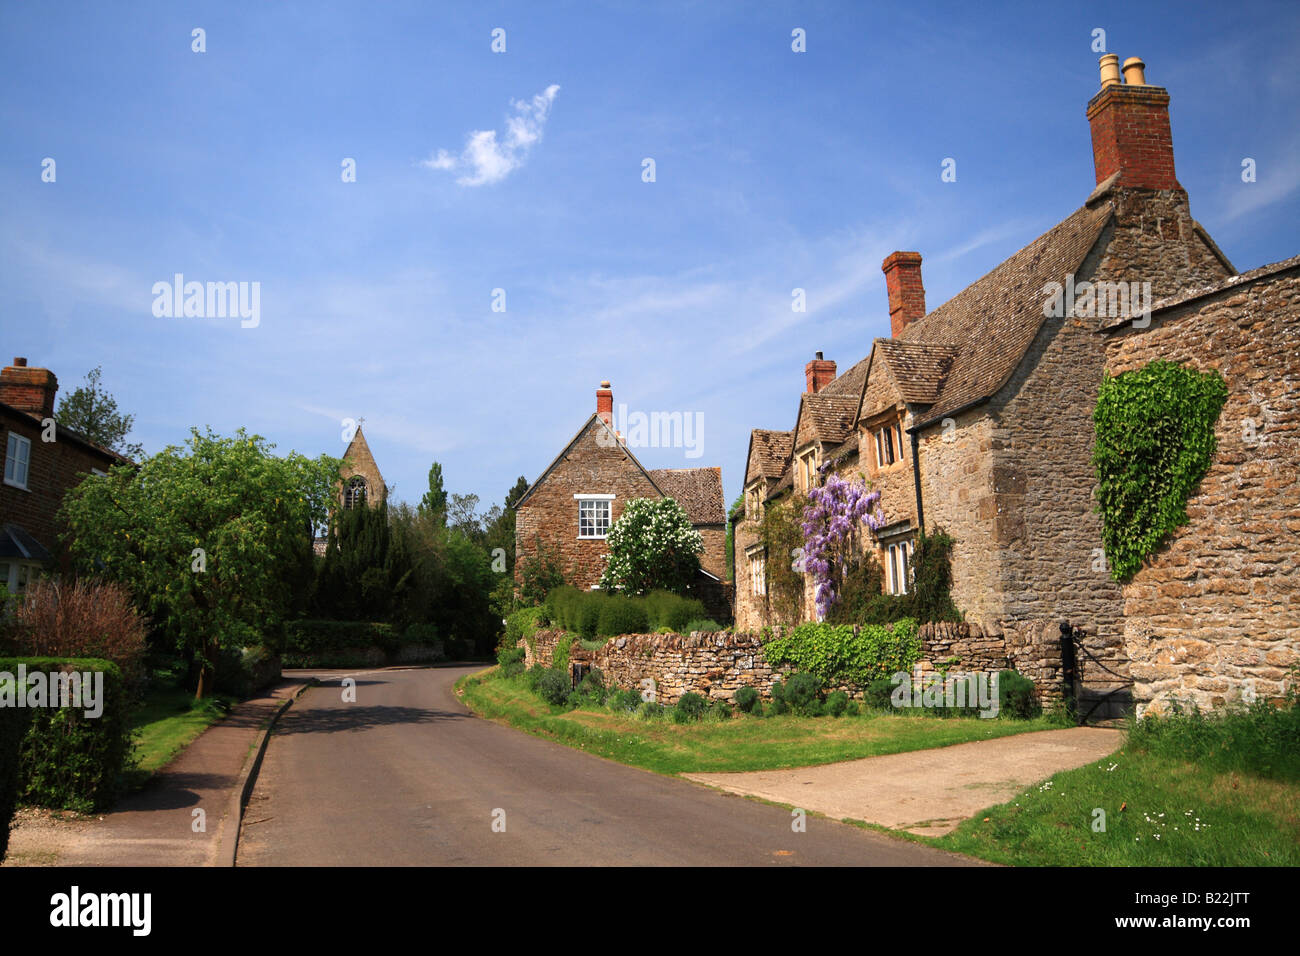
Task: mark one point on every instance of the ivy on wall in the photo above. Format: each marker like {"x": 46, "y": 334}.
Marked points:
{"x": 1154, "y": 443}
{"x": 782, "y": 538}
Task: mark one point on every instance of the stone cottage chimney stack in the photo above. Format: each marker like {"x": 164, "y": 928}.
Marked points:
{"x": 1130, "y": 128}
{"x": 28, "y": 389}
{"x": 605, "y": 404}
{"x": 906, "y": 294}
{"x": 819, "y": 373}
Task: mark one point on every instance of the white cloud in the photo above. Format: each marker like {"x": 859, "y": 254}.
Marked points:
{"x": 487, "y": 160}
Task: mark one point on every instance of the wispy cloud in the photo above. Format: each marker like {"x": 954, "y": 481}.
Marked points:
{"x": 485, "y": 159}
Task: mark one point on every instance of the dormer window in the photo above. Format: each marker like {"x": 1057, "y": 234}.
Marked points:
{"x": 806, "y": 469}
{"x": 889, "y": 444}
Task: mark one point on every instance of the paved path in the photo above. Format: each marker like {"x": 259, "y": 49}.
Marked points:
{"x": 155, "y": 827}
{"x": 407, "y": 776}
{"x": 926, "y": 791}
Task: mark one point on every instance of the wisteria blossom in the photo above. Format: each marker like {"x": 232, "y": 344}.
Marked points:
{"x": 831, "y": 522}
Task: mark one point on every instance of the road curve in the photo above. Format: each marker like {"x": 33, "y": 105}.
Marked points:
{"x": 406, "y": 776}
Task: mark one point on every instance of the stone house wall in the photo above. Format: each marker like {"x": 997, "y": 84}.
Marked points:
{"x": 1213, "y": 617}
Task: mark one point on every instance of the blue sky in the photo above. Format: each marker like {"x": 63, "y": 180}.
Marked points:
{"x": 774, "y": 170}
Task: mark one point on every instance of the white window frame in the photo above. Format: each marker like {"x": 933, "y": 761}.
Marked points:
{"x": 757, "y": 571}
{"x": 898, "y": 566}
{"x": 15, "y": 446}
{"x": 590, "y": 502}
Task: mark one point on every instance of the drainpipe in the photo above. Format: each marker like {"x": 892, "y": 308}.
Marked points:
{"x": 916, "y": 480}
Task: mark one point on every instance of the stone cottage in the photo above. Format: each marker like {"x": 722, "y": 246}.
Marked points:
{"x": 977, "y": 416}
{"x": 569, "y": 509}
{"x": 1213, "y": 617}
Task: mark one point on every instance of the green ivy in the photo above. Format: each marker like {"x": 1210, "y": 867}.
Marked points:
{"x": 835, "y": 654}
{"x": 1154, "y": 443}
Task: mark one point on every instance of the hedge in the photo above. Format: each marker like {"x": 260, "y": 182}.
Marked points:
{"x": 314, "y": 642}
{"x": 69, "y": 761}
{"x": 13, "y": 727}
{"x": 597, "y": 613}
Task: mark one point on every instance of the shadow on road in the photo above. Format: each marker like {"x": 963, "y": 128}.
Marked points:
{"x": 349, "y": 717}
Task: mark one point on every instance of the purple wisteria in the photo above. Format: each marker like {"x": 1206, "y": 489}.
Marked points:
{"x": 831, "y": 522}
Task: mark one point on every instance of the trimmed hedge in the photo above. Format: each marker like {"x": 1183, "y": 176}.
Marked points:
{"x": 600, "y": 614}
{"x": 13, "y": 728}
{"x": 315, "y": 642}
{"x": 69, "y": 761}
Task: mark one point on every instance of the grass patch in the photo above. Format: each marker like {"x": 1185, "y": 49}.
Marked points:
{"x": 1186, "y": 790}
{"x": 738, "y": 744}
{"x": 168, "y": 720}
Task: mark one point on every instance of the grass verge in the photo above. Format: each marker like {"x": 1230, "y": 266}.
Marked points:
{"x": 738, "y": 744}
{"x": 167, "y": 722}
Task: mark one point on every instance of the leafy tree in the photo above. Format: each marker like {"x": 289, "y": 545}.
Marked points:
{"x": 207, "y": 537}
{"x": 90, "y": 410}
{"x": 462, "y": 515}
{"x": 652, "y": 545}
{"x": 367, "y": 569}
{"x": 434, "y": 501}
{"x": 539, "y": 575}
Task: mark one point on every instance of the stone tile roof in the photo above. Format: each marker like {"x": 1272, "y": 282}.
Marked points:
{"x": 769, "y": 451}
{"x": 992, "y": 322}
{"x": 697, "y": 490}
{"x": 830, "y": 417}
{"x": 919, "y": 369}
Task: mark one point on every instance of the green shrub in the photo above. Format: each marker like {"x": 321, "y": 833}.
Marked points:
{"x": 590, "y": 690}
{"x": 511, "y": 661}
{"x": 672, "y": 610}
{"x": 13, "y": 728}
{"x": 651, "y": 709}
{"x": 746, "y": 698}
{"x": 595, "y": 645}
{"x": 836, "y": 703}
{"x": 589, "y": 615}
{"x": 800, "y": 693}
{"x": 702, "y": 624}
{"x": 720, "y": 710}
{"x": 420, "y": 635}
{"x": 69, "y": 761}
{"x": 314, "y": 642}
{"x": 851, "y": 709}
{"x": 879, "y": 694}
{"x": 553, "y": 687}
{"x": 624, "y": 701}
{"x": 835, "y": 655}
{"x": 533, "y": 676}
{"x": 1016, "y": 696}
{"x": 560, "y": 658}
{"x": 690, "y": 706}
{"x": 777, "y": 707}
{"x": 622, "y": 615}
{"x": 522, "y": 624}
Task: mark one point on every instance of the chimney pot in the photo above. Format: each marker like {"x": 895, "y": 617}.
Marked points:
{"x": 1134, "y": 71}
{"x": 906, "y": 293}
{"x": 1109, "y": 70}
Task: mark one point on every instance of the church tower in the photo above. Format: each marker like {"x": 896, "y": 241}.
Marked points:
{"x": 362, "y": 482}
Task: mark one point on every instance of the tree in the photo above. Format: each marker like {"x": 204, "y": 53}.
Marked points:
{"x": 434, "y": 501}
{"x": 652, "y": 545}
{"x": 208, "y": 537}
{"x": 91, "y": 411}
{"x": 367, "y": 569}
{"x": 462, "y": 515}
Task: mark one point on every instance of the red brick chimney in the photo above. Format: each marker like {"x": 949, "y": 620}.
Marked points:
{"x": 819, "y": 373}
{"x": 906, "y": 294}
{"x": 28, "y": 389}
{"x": 1130, "y": 128}
{"x": 605, "y": 404}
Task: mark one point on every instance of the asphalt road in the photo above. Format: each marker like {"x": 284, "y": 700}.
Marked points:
{"x": 406, "y": 776}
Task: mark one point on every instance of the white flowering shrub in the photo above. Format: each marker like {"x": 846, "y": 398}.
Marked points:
{"x": 652, "y": 545}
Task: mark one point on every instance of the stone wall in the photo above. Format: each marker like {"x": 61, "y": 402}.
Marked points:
{"x": 716, "y": 665}
{"x": 1214, "y": 616}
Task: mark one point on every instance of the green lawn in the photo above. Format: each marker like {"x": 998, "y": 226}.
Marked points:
{"x": 1175, "y": 813}
{"x": 740, "y": 743}
{"x": 168, "y": 721}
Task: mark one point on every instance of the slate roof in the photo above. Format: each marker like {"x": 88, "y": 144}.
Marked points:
{"x": 697, "y": 490}
{"x": 992, "y": 322}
